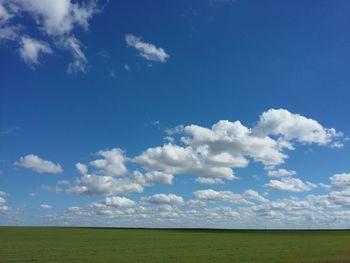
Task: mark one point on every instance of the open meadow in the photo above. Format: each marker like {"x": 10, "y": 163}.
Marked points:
{"x": 46, "y": 244}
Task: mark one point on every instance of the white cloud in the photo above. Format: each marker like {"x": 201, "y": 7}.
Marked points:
{"x": 227, "y": 143}
{"x": 165, "y": 210}
{"x": 112, "y": 164}
{"x": 209, "y": 180}
{"x": 341, "y": 198}
{"x": 31, "y": 50}
{"x": 341, "y": 180}
{"x": 39, "y": 165}
{"x": 214, "y": 152}
{"x": 45, "y": 206}
{"x": 291, "y": 185}
{"x": 294, "y": 127}
{"x": 55, "y": 19}
{"x": 117, "y": 201}
{"x": 253, "y": 195}
{"x": 90, "y": 184}
{"x": 211, "y": 195}
{"x": 176, "y": 159}
{"x": 152, "y": 178}
{"x": 146, "y": 50}
{"x": 59, "y": 17}
{"x": 281, "y": 173}
{"x": 74, "y": 46}
{"x": 104, "y": 181}
{"x": 163, "y": 199}
{"x": 81, "y": 168}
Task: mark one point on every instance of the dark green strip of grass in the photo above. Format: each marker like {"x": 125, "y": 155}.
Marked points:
{"x": 51, "y": 244}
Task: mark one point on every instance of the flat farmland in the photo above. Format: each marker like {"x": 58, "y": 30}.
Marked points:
{"x": 55, "y": 244}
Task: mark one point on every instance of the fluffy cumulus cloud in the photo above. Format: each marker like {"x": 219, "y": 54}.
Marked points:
{"x": 232, "y": 210}
{"x": 209, "y": 180}
{"x": 210, "y": 195}
{"x": 110, "y": 176}
{"x": 146, "y": 50}
{"x": 91, "y": 184}
{"x": 289, "y": 126}
{"x": 112, "y": 163}
{"x": 254, "y": 196}
{"x": 119, "y": 201}
{"x": 177, "y": 159}
{"x": 38, "y": 164}
{"x": 163, "y": 199}
{"x": 281, "y": 173}
{"x": 152, "y": 178}
{"x": 54, "y": 20}
{"x": 212, "y": 155}
{"x": 291, "y": 185}
{"x": 216, "y": 151}
{"x": 341, "y": 180}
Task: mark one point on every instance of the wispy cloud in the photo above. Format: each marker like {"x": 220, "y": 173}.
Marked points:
{"x": 146, "y": 50}
{"x": 55, "y": 20}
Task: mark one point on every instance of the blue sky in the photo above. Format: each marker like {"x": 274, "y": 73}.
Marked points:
{"x": 178, "y": 114}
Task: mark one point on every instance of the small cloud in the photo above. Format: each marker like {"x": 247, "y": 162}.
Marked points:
{"x": 146, "y": 50}
{"x": 45, "y": 206}
{"x": 291, "y": 185}
{"x": 337, "y": 145}
{"x": 112, "y": 164}
{"x": 117, "y": 201}
{"x": 81, "y": 168}
{"x": 35, "y": 163}
{"x": 281, "y": 173}
{"x": 158, "y": 199}
{"x": 32, "y": 49}
{"x": 126, "y": 67}
{"x": 209, "y": 180}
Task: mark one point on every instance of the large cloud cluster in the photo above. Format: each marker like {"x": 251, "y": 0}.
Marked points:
{"x": 210, "y": 154}
{"x": 214, "y": 152}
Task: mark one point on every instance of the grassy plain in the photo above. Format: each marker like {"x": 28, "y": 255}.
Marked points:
{"x": 45, "y": 244}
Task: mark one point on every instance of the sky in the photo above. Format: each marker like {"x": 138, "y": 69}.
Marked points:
{"x": 213, "y": 113}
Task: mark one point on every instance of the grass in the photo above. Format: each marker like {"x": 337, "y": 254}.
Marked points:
{"x": 45, "y": 244}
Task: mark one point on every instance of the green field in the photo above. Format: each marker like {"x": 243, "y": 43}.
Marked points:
{"x": 44, "y": 244}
